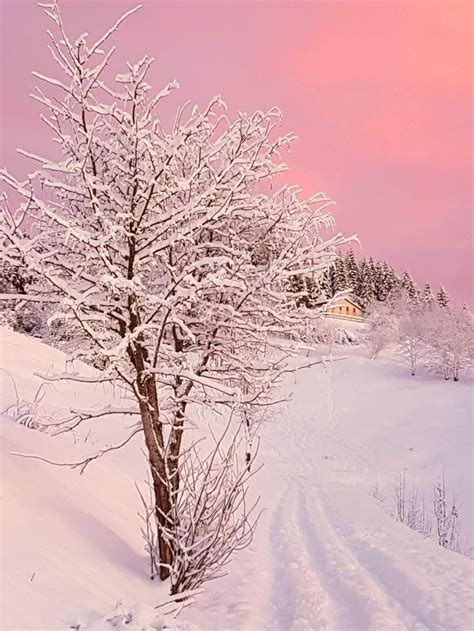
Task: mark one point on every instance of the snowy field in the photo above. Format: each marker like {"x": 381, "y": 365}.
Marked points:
{"x": 327, "y": 555}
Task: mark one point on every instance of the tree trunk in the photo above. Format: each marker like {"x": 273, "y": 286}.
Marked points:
{"x": 181, "y": 391}
{"x": 153, "y": 431}
{"x": 175, "y": 449}
{"x": 154, "y": 443}
{"x": 456, "y": 371}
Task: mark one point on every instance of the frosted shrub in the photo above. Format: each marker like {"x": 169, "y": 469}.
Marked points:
{"x": 31, "y": 413}
{"x": 447, "y": 518}
{"x": 409, "y": 508}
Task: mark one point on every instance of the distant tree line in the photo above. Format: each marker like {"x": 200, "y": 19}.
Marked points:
{"x": 367, "y": 281}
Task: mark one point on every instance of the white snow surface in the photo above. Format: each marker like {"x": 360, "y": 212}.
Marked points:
{"x": 326, "y": 555}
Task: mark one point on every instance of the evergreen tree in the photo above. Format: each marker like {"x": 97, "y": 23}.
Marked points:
{"x": 367, "y": 287}
{"x": 379, "y": 279}
{"x": 340, "y": 282}
{"x": 307, "y": 290}
{"x": 14, "y": 278}
{"x": 393, "y": 280}
{"x": 371, "y": 265}
{"x": 297, "y": 286}
{"x": 371, "y": 280}
{"x": 442, "y": 297}
{"x": 313, "y": 291}
{"x": 361, "y": 268}
{"x": 428, "y": 297}
{"x": 325, "y": 283}
{"x": 352, "y": 271}
{"x": 408, "y": 285}
{"x": 388, "y": 281}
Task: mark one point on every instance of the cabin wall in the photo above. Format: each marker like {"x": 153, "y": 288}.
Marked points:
{"x": 346, "y": 310}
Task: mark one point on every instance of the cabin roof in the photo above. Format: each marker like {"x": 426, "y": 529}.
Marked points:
{"x": 323, "y": 301}
{"x": 351, "y": 301}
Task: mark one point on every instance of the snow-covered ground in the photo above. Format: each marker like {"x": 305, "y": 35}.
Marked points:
{"x": 326, "y": 555}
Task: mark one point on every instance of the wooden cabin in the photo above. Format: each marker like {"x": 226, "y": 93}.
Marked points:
{"x": 345, "y": 308}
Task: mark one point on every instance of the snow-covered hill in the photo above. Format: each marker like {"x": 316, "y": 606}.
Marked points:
{"x": 326, "y": 555}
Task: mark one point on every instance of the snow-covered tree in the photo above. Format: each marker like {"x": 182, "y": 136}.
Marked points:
{"x": 171, "y": 252}
{"x": 297, "y": 286}
{"x": 381, "y": 328}
{"x": 408, "y": 285}
{"x": 306, "y": 290}
{"x": 22, "y": 316}
{"x": 325, "y": 283}
{"x": 367, "y": 284}
{"x": 14, "y": 278}
{"x": 442, "y": 297}
{"x": 461, "y": 341}
{"x": 378, "y": 280}
{"x": 351, "y": 271}
{"x": 412, "y": 333}
{"x": 393, "y": 280}
{"x": 386, "y": 281}
{"x": 428, "y": 298}
{"x": 452, "y": 341}
{"x": 314, "y": 292}
{"x": 340, "y": 282}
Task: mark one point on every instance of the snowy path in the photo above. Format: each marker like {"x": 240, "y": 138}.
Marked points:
{"x": 326, "y": 556}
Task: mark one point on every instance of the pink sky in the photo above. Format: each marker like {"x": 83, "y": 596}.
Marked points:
{"x": 378, "y": 92}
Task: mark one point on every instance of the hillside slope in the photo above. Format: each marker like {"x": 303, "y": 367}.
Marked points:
{"x": 325, "y": 556}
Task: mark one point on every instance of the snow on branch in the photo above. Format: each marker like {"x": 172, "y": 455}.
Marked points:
{"x": 82, "y": 464}
{"x": 169, "y": 256}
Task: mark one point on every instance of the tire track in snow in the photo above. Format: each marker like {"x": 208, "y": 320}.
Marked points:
{"x": 299, "y": 600}
{"x": 365, "y": 603}
{"x": 359, "y": 601}
{"x": 409, "y": 587}
{"x": 361, "y": 582}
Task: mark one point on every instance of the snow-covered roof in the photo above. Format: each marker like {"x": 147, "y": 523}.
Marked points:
{"x": 322, "y": 301}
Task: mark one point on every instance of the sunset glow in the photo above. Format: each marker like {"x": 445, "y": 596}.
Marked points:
{"x": 379, "y": 94}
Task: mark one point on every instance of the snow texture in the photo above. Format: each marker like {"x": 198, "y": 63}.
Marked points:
{"x": 325, "y": 556}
